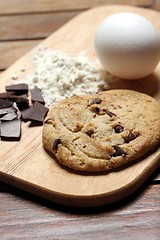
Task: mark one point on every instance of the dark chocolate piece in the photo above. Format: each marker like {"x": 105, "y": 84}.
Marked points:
{"x": 8, "y": 117}
{"x": 36, "y": 95}
{"x": 5, "y": 111}
{"x": 96, "y": 101}
{"x": 10, "y": 130}
{"x": 131, "y": 136}
{"x": 5, "y": 103}
{"x": 56, "y": 142}
{"x": 110, "y": 113}
{"x": 36, "y": 112}
{"x": 118, "y": 128}
{"x": 26, "y": 113}
{"x": 22, "y": 101}
{"x": 18, "y": 89}
{"x": 118, "y": 151}
{"x": 6, "y": 95}
{"x": 97, "y": 110}
{"x": 90, "y": 132}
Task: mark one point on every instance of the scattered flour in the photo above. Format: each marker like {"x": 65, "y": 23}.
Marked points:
{"x": 59, "y": 75}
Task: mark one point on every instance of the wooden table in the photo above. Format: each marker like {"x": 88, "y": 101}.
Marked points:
{"x": 23, "y": 24}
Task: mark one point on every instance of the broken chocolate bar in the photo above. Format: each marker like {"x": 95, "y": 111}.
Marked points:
{"x": 22, "y": 101}
{"x": 5, "y": 103}
{"x": 36, "y": 95}
{"x": 8, "y": 114}
{"x": 36, "y": 112}
{"x": 18, "y": 89}
{"x": 10, "y": 130}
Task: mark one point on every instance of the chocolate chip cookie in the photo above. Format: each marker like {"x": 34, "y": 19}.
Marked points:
{"x": 102, "y": 131}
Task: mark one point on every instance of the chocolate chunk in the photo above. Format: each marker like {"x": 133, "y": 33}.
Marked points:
{"x": 118, "y": 128}
{"x": 5, "y": 111}
{"x": 36, "y": 95}
{"x": 10, "y": 130}
{"x": 118, "y": 151}
{"x": 36, "y": 112}
{"x": 8, "y": 114}
{"x": 6, "y": 95}
{"x": 96, "y": 101}
{"x": 5, "y": 103}
{"x": 22, "y": 101}
{"x": 131, "y": 136}
{"x": 110, "y": 113}
{"x": 26, "y": 113}
{"x": 8, "y": 117}
{"x": 89, "y": 132}
{"x": 56, "y": 142}
{"x": 97, "y": 110}
{"x": 18, "y": 89}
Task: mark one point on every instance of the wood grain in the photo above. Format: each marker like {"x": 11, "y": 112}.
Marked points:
{"x": 32, "y": 26}
{"x": 26, "y": 217}
{"x": 30, "y": 6}
{"x": 28, "y": 166}
{"x": 11, "y": 51}
{"x": 157, "y": 5}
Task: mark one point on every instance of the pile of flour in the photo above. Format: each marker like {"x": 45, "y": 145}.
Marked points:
{"x": 59, "y": 75}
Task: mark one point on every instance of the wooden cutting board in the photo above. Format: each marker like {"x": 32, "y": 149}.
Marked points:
{"x": 27, "y": 165}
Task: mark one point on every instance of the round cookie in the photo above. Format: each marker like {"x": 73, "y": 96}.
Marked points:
{"x": 102, "y": 131}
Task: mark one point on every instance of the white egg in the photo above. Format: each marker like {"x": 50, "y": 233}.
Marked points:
{"x": 127, "y": 45}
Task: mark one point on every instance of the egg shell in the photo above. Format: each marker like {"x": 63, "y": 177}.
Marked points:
{"x": 127, "y": 45}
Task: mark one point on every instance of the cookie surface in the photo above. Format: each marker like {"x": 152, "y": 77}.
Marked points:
{"x": 102, "y": 131}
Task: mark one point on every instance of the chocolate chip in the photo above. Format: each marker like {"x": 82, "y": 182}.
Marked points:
{"x": 97, "y": 110}
{"x": 56, "y": 142}
{"x": 118, "y": 151}
{"x": 18, "y": 89}
{"x": 118, "y": 128}
{"x": 89, "y": 132}
{"x": 96, "y": 101}
{"x": 131, "y": 136}
{"x": 110, "y": 113}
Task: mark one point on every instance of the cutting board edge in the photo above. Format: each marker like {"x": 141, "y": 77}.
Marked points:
{"x": 86, "y": 200}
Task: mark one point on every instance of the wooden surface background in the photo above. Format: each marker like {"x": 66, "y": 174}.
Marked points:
{"x": 23, "y": 24}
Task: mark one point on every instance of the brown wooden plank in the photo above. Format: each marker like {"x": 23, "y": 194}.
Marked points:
{"x": 26, "y": 217}
{"x": 156, "y": 5}
{"x": 11, "y": 51}
{"x": 30, "y": 6}
{"x": 32, "y": 26}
